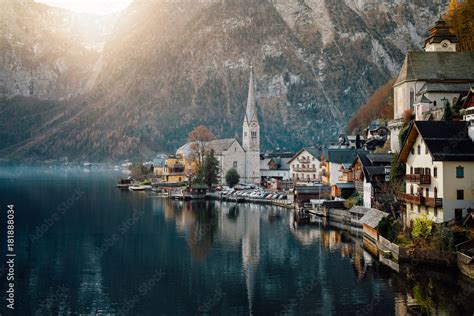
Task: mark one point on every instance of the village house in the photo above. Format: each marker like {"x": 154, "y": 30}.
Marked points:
{"x": 430, "y": 78}
{"x": 174, "y": 170}
{"x": 371, "y": 176}
{"x": 305, "y": 166}
{"x": 275, "y": 168}
{"x": 334, "y": 161}
{"x": 439, "y": 159}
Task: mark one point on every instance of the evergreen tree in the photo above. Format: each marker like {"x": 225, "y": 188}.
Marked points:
{"x": 232, "y": 177}
{"x": 448, "y": 112}
{"x": 209, "y": 169}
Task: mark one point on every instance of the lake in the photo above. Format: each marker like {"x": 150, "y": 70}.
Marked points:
{"x": 85, "y": 247}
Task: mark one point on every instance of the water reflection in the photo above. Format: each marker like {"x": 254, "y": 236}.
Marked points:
{"x": 252, "y": 256}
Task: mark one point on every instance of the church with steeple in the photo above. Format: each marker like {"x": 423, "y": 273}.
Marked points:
{"x": 429, "y": 79}
{"x": 251, "y": 136}
{"x": 245, "y": 157}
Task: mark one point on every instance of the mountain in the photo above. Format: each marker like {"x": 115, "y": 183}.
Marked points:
{"x": 171, "y": 65}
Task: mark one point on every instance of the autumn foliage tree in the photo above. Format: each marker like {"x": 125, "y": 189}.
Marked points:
{"x": 379, "y": 105}
{"x": 460, "y": 17}
{"x": 198, "y": 138}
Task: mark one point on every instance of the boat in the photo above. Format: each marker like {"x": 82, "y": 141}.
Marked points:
{"x": 140, "y": 187}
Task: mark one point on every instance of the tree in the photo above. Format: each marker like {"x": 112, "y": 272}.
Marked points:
{"x": 379, "y": 105}
{"x": 397, "y": 174}
{"x": 389, "y": 228}
{"x": 448, "y": 112}
{"x": 422, "y": 227}
{"x": 459, "y": 18}
{"x": 232, "y": 177}
{"x": 208, "y": 171}
{"x": 198, "y": 138}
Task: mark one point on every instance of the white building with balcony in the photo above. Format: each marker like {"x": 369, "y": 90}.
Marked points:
{"x": 305, "y": 166}
{"x": 439, "y": 159}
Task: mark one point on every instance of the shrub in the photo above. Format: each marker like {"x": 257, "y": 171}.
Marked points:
{"x": 422, "y": 227}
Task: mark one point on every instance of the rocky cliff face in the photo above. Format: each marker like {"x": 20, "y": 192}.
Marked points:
{"x": 46, "y": 52}
{"x": 174, "y": 64}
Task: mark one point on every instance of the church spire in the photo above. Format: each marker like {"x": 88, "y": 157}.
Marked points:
{"x": 251, "y": 101}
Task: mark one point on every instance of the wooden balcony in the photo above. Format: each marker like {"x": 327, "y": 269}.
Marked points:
{"x": 420, "y": 200}
{"x": 306, "y": 169}
{"x": 410, "y": 198}
{"x": 418, "y": 178}
{"x": 432, "y": 202}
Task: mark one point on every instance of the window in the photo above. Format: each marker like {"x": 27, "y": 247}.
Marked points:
{"x": 245, "y": 134}
{"x": 411, "y": 170}
{"x": 435, "y": 172}
{"x": 435, "y": 192}
{"x": 426, "y": 149}
{"x": 434, "y": 103}
{"x": 435, "y": 212}
{"x": 427, "y": 194}
{"x": 418, "y": 149}
{"x": 254, "y": 134}
{"x": 460, "y": 194}
{"x": 458, "y": 215}
{"x": 313, "y": 166}
{"x": 412, "y": 151}
{"x": 234, "y": 164}
{"x": 412, "y": 97}
{"x": 411, "y": 189}
{"x": 459, "y": 172}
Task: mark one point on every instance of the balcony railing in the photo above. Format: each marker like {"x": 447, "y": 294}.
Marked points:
{"x": 410, "y": 198}
{"x": 418, "y": 178}
{"x": 300, "y": 169}
{"x": 434, "y": 202}
{"x": 420, "y": 200}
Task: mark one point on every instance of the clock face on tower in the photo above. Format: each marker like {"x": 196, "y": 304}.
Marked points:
{"x": 254, "y": 124}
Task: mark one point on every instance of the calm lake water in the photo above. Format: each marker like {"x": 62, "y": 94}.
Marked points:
{"x": 84, "y": 247}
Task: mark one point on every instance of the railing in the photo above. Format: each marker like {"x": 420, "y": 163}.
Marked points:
{"x": 409, "y": 198}
{"x": 300, "y": 169}
{"x": 418, "y": 178}
{"x": 304, "y": 160}
{"x": 420, "y": 200}
{"x": 434, "y": 202}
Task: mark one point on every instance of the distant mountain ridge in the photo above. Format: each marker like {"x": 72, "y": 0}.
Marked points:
{"x": 171, "y": 65}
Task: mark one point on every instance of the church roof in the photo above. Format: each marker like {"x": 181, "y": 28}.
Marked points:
{"x": 218, "y": 145}
{"x": 251, "y": 111}
{"x": 439, "y": 32}
{"x": 437, "y": 66}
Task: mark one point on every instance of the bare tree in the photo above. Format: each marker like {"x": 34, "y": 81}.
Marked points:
{"x": 199, "y": 137}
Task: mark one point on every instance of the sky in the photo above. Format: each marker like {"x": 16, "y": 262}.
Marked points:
{"x": 89, "y": 6}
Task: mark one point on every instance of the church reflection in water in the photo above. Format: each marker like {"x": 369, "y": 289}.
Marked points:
{"x": 267, "y": 234}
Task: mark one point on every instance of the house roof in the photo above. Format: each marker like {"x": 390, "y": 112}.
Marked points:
{"x": 444, "y": 87}
{"x": 437, "y": 66}
{"x": 315, "y": 152}
{"x": 372, "y": 217}
{"x": 341, "y": 155}
{"x": 345, "y": 185}
{"x": 446, "y": 140}
{"x": 311, "y": 189}
{"x": 372, "y": 171}
{"x": 380, "y": 158}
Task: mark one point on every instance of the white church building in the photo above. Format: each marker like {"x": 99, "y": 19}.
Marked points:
{"x": 245, "y": 157}
{"x": 430, "y": 78}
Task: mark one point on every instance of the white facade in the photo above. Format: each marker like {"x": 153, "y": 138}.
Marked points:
{"x": 443, "y": 184}
{"x": 305, "y": 168}
{"x": 367, "y": 194}
{"x": 444, "y": 46}
{"x": 233, "y": 157}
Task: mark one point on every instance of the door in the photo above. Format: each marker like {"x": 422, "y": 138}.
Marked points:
{"x": 458, "y": 215}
